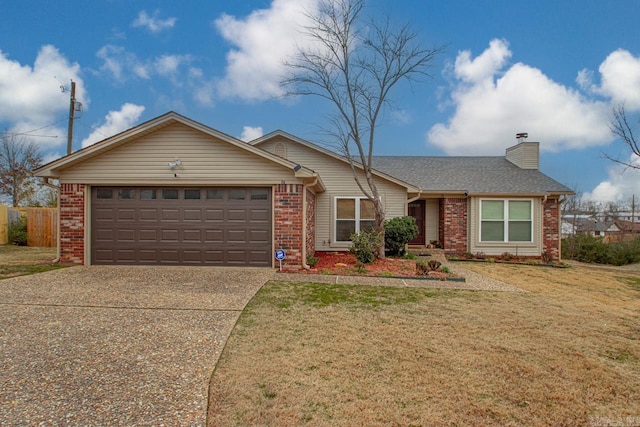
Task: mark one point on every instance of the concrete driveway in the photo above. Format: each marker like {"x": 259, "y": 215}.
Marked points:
{"x": 116, "y": 345}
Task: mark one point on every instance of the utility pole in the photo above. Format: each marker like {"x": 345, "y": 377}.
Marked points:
{"x": 72, "y": 109}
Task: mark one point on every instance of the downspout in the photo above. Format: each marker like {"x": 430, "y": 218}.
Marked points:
{"x": 304, "y": 222}
{"x": 417, "y": 197}
{"x": 46, "y": 183}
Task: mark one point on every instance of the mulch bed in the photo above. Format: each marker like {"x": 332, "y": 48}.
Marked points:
{"x": 346, "y": 264}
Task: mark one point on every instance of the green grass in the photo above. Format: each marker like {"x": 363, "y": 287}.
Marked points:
{"x": 8, "y": 271}
{"x": 323, "y": 295}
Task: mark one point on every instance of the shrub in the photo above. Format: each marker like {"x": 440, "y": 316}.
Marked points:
{"x": 586, "y": 248}
{"x": 434, "y": 265}
{"x": 365, "y": 245}
{"x": 397, "y": 233}
{"x": 18, "y": 232}
{"x": 312, "y": 261}
{"x": 445, "y": 269}
{"x": 422, "y": 269}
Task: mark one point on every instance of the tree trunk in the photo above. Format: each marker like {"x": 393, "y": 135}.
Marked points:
{"x": 379, "y": 225}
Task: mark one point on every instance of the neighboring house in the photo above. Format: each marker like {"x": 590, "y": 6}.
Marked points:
{"x": 173, "y": 191}
{"x": 593, "y": 227}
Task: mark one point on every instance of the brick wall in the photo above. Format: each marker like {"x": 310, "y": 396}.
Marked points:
{"x": 551, "y": 228}
{"x": 453, "y": 225}
{"x": 311, "y": 223}
{"x": 72, "y": 223}
{"x": 288, "y": 224}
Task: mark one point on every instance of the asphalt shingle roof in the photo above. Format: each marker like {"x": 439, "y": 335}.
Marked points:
{"x": 473, "y": 174}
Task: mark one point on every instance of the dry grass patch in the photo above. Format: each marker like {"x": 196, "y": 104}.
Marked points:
{"x": 22, "y": 260}
{"x": 567, "y": 353}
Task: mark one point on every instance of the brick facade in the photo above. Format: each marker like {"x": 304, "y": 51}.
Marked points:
{"x": 288, "y": 226}
{"x": 551, "y": 228}
{"x": 311, "y": 223}
{"x": 72, "y": 223}
{"x": 453, "y": 225}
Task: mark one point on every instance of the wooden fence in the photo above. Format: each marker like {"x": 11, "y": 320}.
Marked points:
{"x": 42, "y": 225}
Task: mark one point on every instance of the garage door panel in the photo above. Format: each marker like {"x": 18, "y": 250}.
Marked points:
{"x": 169, "y": 256}
{"x": 148, "y": 214}
{"x": 104, "y": 214}
{"x": 259, "y": 236}
{"x": 126, "y": 214}
{"x": 214, "y": 215}
{"x": 169, "y": 235}
{"x": 148, "y": 235}
{"x": 104, "y": 235}
{"x": 237, "y": 215}
{"x": 214, "y": 236}
{"x": 225, "y": 226}
{"x": 125, "y": 255}
{"x": 192, "y": 215}
{"x": 192, "y": 256}
{"x": 237, "y": 236}
{"x": 259, "y": 215}
{"x": 192, "y": 236}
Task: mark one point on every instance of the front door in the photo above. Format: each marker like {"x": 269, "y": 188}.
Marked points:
{"x": 417, "y": 211}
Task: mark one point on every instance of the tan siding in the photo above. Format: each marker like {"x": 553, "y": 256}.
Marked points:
{"x": 338, "y": 179}
{"x": 205, "y": 159}
{"x": 432, "y": 218}
{"x": 522, "y": 249}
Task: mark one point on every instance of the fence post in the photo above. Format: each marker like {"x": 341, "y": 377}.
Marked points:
{"x": 4, "y": 225}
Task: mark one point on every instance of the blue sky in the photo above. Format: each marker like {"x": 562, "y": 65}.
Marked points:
{"x": 549, "y": 68}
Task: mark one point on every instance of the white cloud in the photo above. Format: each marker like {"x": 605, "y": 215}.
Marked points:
{"x": 620, "y": 79}
{"x": 153, "y": 23}
{"x": 30, "y": 97}
{"x": 123, "y": 65}
{"x": 115, "y": 122}
{"x": 492, "y": 104}
{"x": 623, "y": 182}
{"x": 249, "y": 133}
{"x": 263, "y": 41}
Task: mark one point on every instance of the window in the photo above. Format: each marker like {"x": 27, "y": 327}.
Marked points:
{"x": 214, "y": 194}
{"x": 259, "y": 194}
{"x": 126, "y": 194}
{"x": 147, "y": 194}
{"x": 237, "y": 194}
{"x": 352, "y": 215}
{"x": 104, "y": 193}
{"x": 192, "y": 194}
{"x": 169, "y": 194}
{"x": 506, "y": 221}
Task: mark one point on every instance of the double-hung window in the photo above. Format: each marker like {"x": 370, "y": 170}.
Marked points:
{"x": 506, "y": 221}
{"x": 352, "y": 214}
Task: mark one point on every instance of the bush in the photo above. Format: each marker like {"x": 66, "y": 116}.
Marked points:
{"x": 397, "y": 233}
{"x": 312, "y": 261}
{"x": 365, "y": 245}
{"x": 585, "y": 248}
{"x": 18, "y": 232}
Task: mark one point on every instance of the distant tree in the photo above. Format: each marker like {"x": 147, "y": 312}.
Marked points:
{"x": 19, "y": 156}
{"x": 621, "y": 127}
{"x": 355, "y": 66}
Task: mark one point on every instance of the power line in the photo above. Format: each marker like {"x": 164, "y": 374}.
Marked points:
{"x": 28, "y": 133}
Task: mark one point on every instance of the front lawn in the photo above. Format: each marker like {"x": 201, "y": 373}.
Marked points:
{"x": 566, "y": 353}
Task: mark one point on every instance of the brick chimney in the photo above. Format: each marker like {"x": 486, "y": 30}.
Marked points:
{"x": 525, "y": 155}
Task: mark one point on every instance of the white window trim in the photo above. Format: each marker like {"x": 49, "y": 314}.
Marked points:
{"x": 334, "y": 220}
{"x": 505, "y": 221}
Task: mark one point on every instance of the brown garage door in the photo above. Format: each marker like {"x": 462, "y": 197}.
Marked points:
{"x": 187, "y": 226}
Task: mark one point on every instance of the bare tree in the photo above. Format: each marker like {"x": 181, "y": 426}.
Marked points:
{"x": 18, "y": 158}
{"x": 355, "y": 67}
{"x": 621, "y": 127}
